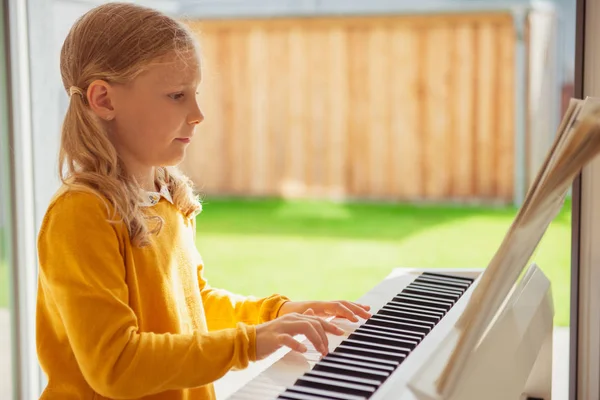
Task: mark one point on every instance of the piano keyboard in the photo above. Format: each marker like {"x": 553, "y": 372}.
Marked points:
{"x": 362, "y": 362}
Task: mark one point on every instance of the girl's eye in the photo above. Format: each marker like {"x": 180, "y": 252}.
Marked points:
{"x": 176, "y": 96}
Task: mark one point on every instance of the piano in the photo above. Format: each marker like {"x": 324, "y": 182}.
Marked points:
{"x": 403, "y": 348}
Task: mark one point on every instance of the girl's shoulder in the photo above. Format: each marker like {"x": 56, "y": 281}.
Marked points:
{"x": 78, "y": 199}
{"x": 75, "y": 206}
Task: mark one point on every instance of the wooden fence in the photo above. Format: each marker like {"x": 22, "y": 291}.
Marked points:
{"x": 398, "y": 107}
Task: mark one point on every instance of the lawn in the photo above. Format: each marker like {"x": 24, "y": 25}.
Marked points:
{"x": 323, "y": 250}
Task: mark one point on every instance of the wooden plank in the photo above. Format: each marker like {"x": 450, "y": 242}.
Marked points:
{"x": 376, "y": 136}
{"x": 506, "y": 113}
{"x": 463, "y": 109}
{"x": 317, "y": 86}
{"x": 277, "y": 108}
{"x": 238, "y": 139}
{"x": 486, "y": 123}
{"x": 438, "y": 103}
{"x": 257, "y": 78}
{"x": 207, "y": 175}
{"x": 358, "y": 167}
{"x": 353, "y": 22}
{"x": 406, "y": 174}
{"x": 296, "y": 148}
{"x": 337, "y": 120}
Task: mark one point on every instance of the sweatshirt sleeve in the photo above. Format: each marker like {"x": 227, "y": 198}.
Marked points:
{"x": 224, "y": 309}
{"x": 82, "y": 275}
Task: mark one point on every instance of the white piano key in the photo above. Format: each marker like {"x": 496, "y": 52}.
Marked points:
{"x": 432, "y": 293}
{"x": 391, "y": 339}
{"x": 352, "y": 346}
{"x": 405, "y": 321}
{"x": 404, "y": 332}
{"x": 344, "y": 378}
{"x": 378, "y": 345}
{"x": 410, "y": 314}
{"x": 414, "y": 309}
{"x": 330, "y": 382}
{"x": 365, "y": 359}
{"x": 388, "y": 332}
{"x": 299, "y": 396}
{"x": 432, "y": 307}
{"x": 436, "y": 287}
{"x": 427, "y": 299}
{"x": 327, "y": 393}
{"x": 371, "y": 371}
{"x": 436, "y": 279}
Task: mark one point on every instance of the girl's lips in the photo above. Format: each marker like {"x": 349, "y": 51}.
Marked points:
{"x": 184, "y": 140}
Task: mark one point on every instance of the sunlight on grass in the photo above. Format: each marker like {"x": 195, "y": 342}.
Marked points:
{"x": 3, "y": 284}
{"x": 312, "y": 250}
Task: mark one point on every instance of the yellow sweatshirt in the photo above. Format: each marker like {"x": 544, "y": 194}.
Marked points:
{"x": 119, "y": 322}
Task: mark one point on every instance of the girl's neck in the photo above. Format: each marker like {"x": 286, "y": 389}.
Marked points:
{"x": 146, "y": 179}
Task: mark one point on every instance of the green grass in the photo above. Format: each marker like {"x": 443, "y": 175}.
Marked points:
{"x": 3, "y": 284}
{"x": 323, "y": 250}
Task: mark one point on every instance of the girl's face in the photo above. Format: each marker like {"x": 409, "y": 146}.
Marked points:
{"x": 155, "y": 115}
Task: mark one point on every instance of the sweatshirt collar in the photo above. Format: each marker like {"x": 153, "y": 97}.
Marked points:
{"x": 150, "y": 199}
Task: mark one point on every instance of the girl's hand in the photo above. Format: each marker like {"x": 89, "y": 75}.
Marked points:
{"x": 272, "y": 335}
{"x": 343, "y": 309}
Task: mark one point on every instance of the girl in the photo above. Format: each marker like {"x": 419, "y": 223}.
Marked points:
{"x": 123, "y": 309}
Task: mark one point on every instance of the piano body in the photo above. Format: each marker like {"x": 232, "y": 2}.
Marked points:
{"x": 402, "y": 349}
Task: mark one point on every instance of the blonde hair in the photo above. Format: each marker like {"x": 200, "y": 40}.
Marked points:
{"x": 115, "y": 42}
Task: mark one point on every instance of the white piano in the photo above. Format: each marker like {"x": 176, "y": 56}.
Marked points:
{"x": 403, "y": 348}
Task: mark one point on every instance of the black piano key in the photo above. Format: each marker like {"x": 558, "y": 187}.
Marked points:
{"x": 381, "y": 325}
{"x": 411, "y": 299}
{"x": 315, "y": 382}
{"x": 400, "y": 318}
{"x": 410, "y": 315}
{"x": 384, "y": 320}
{"x": 327, "y": 394}
{"x": 431, "y": 293}
{"x": 382, "y": 339}
{"x": 363, "y": 344}
{"x": 369, "y": 362}
{"x": 343, "y": 378}
{"x": 352, "y": 370}
{"x": 389, "y": 334}
{"x": 437, "y": 301}
{"x": 416, "y": 306}
{"x": 351, "y": 348}
{"x": 413, "y": 308}
{"x": 417, "y": 326}
{"x": 436, "y": 287}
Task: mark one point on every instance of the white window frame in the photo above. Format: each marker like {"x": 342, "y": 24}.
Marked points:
{"x": 27, "y": 375}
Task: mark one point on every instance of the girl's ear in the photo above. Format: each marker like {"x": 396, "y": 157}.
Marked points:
{"x": 99, "y": 98}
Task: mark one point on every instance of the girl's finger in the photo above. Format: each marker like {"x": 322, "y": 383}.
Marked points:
{"x": 358, "y": 309}
{"x": 289, "y": 341}
{"x": 312, "y": 332}
{"x": 339, "y": 309}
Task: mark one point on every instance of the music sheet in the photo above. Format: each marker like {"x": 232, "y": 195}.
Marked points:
{"x": 576, "y": 143}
